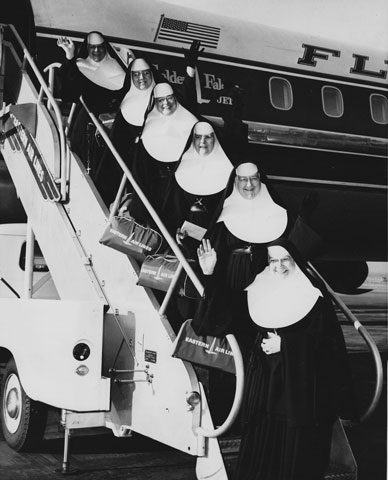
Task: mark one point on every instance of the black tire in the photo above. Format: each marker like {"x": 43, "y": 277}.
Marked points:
{"x": 23, "y": 420}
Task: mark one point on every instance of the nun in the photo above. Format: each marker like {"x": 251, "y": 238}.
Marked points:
{"x": 137, "y": 89}
{"x": 166, "y": 130}
{"x": 97, "y": 73}
{"x": 298, "y": 377}
{"x": 198, "y": 183}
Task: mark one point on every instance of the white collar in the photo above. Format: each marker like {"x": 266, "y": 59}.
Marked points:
{"x": 275, "y": 302}
{"x": 165, "y": 136}
{"x": 107, "y": 74}
{"x": 256, "y": 220}
{"x": 204, "y": 174}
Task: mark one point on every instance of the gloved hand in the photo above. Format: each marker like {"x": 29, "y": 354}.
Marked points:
{"x": 191, "y": 55}
{"x": 67, "y": 45}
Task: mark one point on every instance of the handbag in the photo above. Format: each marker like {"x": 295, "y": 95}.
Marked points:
{"x": 127, "y": 236}
{"x": 157, "y": 271}
{"x": 204, "y": 350}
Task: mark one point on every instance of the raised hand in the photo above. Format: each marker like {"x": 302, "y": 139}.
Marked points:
{"x": 67, "y": 45}
{"x": 192, "y": 54}
{"x": 207, "y": 257}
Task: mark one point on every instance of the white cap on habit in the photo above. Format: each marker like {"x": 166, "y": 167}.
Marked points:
{"x": 95, "y": 39}
{"x": 203, "y": 128}
{"x": 246, "y": 169}
{"x": 163, "y": 90}
{"x": 139, "y": 64}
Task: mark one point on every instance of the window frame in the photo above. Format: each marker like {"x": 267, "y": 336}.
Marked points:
{"x": 323, "y": 101}
{"x": 371, "y": 109}
{"x": 288, "y": 83}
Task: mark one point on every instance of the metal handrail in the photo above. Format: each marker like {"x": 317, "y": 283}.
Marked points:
{"x": 368, "y": 340}
{"x": 50, "y": 69}
{"x": 175, "y": 248}
{"x": 145, "y": 201}
{"x": 238, "y": 395}
{"x": 54, "y": 105}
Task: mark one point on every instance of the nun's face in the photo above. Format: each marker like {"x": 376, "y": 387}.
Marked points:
{"x": 142, "y": 79}
{"x": 280, "y": 262}
{"x": 97, "y": 52}
{"x": 166, "y": 105}
{"x": 204, "y": 144}
{"x": 248, "y": 186}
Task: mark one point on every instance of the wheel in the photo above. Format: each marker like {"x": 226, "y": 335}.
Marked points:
{"x": 23, "y": 420}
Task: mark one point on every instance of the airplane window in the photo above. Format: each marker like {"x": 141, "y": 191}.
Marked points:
{"x": 280, "y": 91}
{"x": 332, "y": 101}
{"x": 379, "y": 108}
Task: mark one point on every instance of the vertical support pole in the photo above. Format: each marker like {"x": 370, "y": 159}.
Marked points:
{"x": 51, "y": 87}
{"x": 117, "y": 200}
{"x": 170, "y": 290}
{"x": 65, "y": 469}
{"x": 65, "y": 462}
{"x": 29, "y": 262}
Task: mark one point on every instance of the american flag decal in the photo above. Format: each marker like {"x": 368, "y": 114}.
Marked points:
{"x": 186, "y": 32}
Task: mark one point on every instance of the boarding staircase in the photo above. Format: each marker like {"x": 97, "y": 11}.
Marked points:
{"x": 150, "y": 392}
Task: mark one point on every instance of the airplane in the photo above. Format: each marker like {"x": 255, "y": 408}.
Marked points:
{"x": 316, "y": 111}
{"x": 316, "y": 107}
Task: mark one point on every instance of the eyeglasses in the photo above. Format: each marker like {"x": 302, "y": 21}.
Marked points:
{"x": 281, "y": 261}
{"x": 209, "y": 136}
{"x": 100, "y": 46}
{"x": 254, "y": 179}
{"x": 141, "y": 73}
{"x": 168, "y": 99}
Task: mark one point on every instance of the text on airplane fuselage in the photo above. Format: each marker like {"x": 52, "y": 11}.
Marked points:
{"x": 309, "y": 58}
{"x": 210, "y": 82}
{"x": 314, "y": 52}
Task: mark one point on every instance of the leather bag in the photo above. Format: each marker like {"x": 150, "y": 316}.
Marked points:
{"x": 204, "y": 350}
{"x": 127, "y": 236}
{"x": 157, "y": 271}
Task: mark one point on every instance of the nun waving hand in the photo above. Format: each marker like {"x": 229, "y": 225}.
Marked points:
{"x": 94, "y": 71}
{"x": 249, "y": 216}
